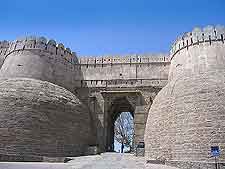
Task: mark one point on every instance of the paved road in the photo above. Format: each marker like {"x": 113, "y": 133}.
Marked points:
{"x": 104, "y": 161}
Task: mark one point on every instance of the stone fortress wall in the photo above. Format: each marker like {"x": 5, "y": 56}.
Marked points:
{"x": 197, "y": 60}
{"x": 59, "y": 65}
{"x": 187, "y": 116}
{"x": 35, "y": 74}
{"x": 40, "y": 115}
{"x": 122, "y": 75}
{"x": 38, "y": 58}
{"x": 48, "y": 90}
{"x": 132, "y": 70}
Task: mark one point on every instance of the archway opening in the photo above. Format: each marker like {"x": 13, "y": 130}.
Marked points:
{"x": 123, "y": 132}
{"x": 120, "y": 107}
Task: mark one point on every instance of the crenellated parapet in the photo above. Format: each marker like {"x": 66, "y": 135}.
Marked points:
{"x": 42, "y": 44}
{"x": 198, "y": 51}
{"x": 41, "y": 59}
{"x": 208, "y": 34}
{"x": 188, "y": 112}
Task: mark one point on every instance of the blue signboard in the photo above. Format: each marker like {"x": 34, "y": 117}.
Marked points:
{"x": 215, "y": 151}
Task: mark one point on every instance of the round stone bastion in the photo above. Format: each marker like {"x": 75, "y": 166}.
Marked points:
{"x": 40, "y": 113}
{"x": 42, "y": 59}
{"x": 38, "y": 118}
{"x": 187, "y": 117}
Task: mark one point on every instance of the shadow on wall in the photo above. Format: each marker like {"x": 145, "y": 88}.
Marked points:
{"x": 94, "y": 108}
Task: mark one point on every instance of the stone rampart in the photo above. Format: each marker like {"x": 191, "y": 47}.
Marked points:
{"x": 39, "y": 118}
{"x": 41, "y": 43}
{"x": 186, "y": 56}
{"x": 187, "y": 116}
{"x": 37, "y": 58}
{"x": 125, "y": 68}
{"x": 40, "y": 113}
{"x": 207, "y": 34}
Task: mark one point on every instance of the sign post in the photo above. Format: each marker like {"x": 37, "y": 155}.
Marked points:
{"x": 215, "y": 152}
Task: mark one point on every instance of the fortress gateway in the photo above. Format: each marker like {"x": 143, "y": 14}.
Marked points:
{"x": 55, "y": 104}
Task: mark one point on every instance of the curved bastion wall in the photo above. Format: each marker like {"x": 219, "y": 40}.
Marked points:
{"x": 40, "y": 114}
{"x": 198, "y": 51}
{"x": 38, "y": 118}
{"x": 187, "y": 117}
{"x": 35, "y": 57}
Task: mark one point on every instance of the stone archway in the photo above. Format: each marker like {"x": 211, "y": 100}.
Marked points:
{"x": 119, "y": 105}
{"x": 116, "y": 102}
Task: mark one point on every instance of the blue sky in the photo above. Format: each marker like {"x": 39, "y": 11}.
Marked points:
{"x": 108, "y": 27}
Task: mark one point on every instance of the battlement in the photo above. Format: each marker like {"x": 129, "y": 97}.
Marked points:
{"x": 41, "y": 43}
{"x": 50, "y": 46}
{"x": 127, "y": 59}
{"x": 208, "y": 34}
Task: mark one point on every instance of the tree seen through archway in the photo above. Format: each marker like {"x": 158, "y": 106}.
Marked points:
{"x": 123, "y": 132}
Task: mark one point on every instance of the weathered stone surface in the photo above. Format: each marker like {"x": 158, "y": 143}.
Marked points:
{"x": 185, "y": 120}
{"x": 187, "y": 116}
{"x": 43, "y": 64}
{"x": 38, "y": 58}
{"x": 43, "y": 119}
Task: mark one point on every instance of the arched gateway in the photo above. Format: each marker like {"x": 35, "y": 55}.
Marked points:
{"x": 74, "y": 100}
{"x": 118, "y": 102}
{"x": 109, "y": 104}
{"x": 121, "y": 84}
{"x": 53, "y": 103}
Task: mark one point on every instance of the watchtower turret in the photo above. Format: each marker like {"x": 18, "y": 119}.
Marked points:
{"x": 40, "y": 114}
{"x": 187, "y": 116}
{"x": 42, "y": 59}
{"x": 199, "y": 51}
